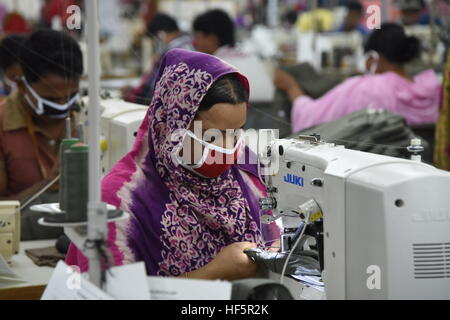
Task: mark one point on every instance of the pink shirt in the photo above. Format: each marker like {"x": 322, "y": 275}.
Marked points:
{"x": 417, "y": 101}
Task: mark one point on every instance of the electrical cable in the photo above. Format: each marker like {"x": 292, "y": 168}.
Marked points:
{"x": 293, "y": 249}
{"x": 36, "y": 195}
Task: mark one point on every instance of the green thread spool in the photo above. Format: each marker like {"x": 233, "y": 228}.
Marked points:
{"x": 65, "y": 145}
{"x": 76, "y": 178}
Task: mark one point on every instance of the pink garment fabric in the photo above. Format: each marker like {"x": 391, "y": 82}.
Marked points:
{"x": 417, "y": 101}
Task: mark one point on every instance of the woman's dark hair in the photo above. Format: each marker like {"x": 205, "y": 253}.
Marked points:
{"x": 354, "y": 6}
{"x": 10, "y": 47}
{"x": 162, "y": 22}
{"x": 392, "y": 42}
{"x": 227, "y": 89}
{"x": 290, "y": 17}
{"x": 216, "y": 22}
{"x": 50, "y": 52}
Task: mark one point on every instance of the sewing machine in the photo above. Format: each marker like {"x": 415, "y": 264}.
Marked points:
{"x": 386, "y": 221}
{"x": 432, "y": 47}
{"x": 9, "y": 228}
{"x": 333, "y": 51}
{"x": 120, "y": 122}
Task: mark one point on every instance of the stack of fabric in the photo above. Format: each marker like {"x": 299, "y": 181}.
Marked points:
{"x": 48, "y": 256}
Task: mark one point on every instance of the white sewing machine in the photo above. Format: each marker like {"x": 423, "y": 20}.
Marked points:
{"x": 386, "y": 221}
{"x": 332, "y": 51}
{"x": 432, "y": 47}
{"x": 120, "y": 122}
{"x": 9, "y": 228}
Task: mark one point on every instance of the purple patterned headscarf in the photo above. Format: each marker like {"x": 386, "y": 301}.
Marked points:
{"x": 179, "y": 221}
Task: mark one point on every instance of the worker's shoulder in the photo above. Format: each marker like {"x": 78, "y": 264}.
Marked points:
{"x": 3, "y": 105}
{"x": 12, "y": 113}
{"x": 362, "y": 80}
{"x": 2, "y": 121}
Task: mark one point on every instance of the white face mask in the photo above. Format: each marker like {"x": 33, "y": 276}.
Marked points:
{"x": 47, "y": 107}
{"x": 375, "y": 58}
{"x": 12, "y": 84}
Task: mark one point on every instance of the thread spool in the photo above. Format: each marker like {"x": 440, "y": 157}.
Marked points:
{"x": 65, "y": 145}
{"x": 76, "y": 179}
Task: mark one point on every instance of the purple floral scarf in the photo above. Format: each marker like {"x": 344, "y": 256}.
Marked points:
{"x": 179, "y": 221}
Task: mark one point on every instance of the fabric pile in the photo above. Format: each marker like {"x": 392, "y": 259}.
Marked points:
{"x": 48, "y": 256}
{"x": 303, "y": 265}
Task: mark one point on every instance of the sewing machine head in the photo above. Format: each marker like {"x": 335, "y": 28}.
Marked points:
{"x": 332, "y": 51}
{"x": 379, "y": 213}
{"x": 120, "y": 122}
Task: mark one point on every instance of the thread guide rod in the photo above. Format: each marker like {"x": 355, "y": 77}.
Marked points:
{"x": 97, "y": 217}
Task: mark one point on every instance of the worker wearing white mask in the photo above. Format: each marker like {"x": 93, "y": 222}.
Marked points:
{"x": 32, "y": 118}
{"x": 386, "y": 85}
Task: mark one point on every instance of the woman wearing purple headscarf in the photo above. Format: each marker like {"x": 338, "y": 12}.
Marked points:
{"x": 187, "y": 220}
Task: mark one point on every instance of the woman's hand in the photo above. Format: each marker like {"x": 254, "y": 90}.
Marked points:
{"x": 230, "y": 264}
{"x": 275, "y": 247}
{"x": 284, "y": 81}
